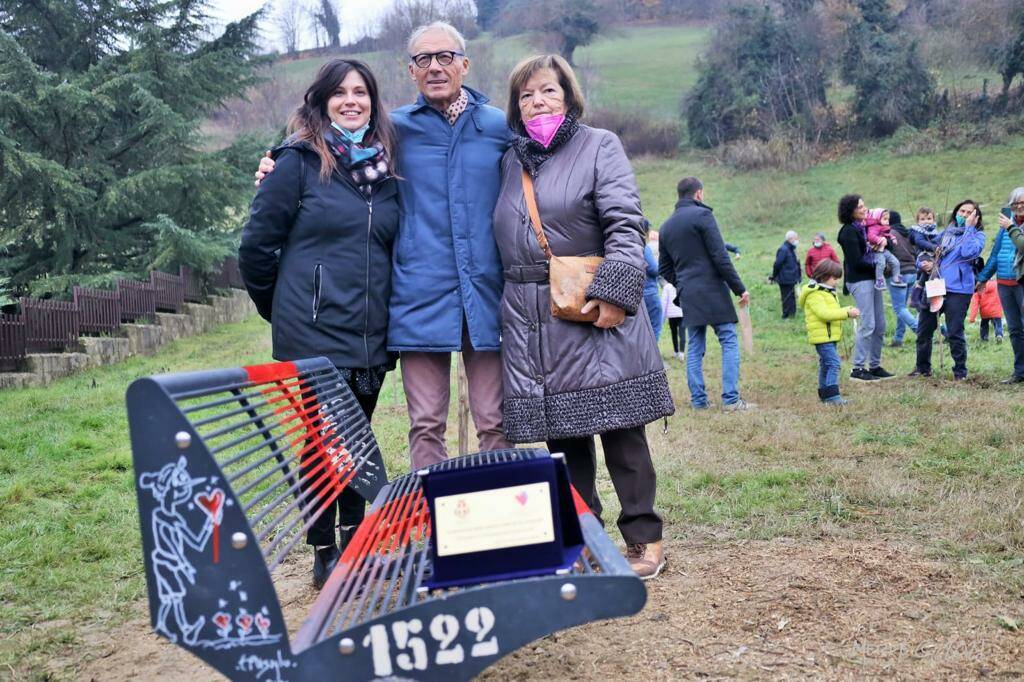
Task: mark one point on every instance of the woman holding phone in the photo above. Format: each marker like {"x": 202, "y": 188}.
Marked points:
{"x": 316, "y": 252}
{"x": 1006, "y": 263}
{"x": 960, "y": 244}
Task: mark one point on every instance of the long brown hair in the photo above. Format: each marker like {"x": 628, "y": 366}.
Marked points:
{"x": 310, "y": 121}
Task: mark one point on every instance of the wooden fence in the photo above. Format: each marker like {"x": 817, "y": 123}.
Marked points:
{"x": 168, "y": 291}
{"x": 50, "y": 326}
{"x": 53, "y": 325}
{"x": 99, "y": 310}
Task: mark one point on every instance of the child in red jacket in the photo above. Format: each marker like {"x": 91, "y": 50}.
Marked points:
{"x": 986, "y": 301}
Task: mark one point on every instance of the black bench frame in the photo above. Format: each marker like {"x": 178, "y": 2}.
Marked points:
{"x": 223, "y": 501}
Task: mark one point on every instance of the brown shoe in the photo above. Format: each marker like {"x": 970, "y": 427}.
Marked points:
{"x": 646, "y": 560}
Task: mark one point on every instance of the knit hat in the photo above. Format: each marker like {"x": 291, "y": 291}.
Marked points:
{"x": 895, "y": 219}
{"x": 820, "y": 235}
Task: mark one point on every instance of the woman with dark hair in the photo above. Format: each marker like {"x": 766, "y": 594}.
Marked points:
{"x": 960, "y": 244}
{"x": 316, "y": 252}
{"x": 565, "y": 381}
{"x": 859, "y": 276}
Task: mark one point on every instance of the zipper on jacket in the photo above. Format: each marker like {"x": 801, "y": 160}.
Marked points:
{"x": 318, "y": 280}
{"x": 366, "y": 290}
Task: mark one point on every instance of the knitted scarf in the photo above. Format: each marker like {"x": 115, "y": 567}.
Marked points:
{"x": 366, "y": 165}
{"x": 532, "y": 153}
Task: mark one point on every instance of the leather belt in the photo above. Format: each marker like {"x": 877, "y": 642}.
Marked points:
{"x": 526, "y": 273}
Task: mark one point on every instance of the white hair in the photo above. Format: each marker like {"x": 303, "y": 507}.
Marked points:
{"x": 443, "y": 26}
{"x": 791, "y": 235}
{"x": 1016, "y": 195}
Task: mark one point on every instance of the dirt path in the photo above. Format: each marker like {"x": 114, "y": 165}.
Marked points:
{"x": 777, "y": 609}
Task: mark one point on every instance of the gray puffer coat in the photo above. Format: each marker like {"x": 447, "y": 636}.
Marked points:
{"x": 570, "y": 379}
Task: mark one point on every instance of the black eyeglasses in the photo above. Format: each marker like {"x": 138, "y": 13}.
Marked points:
{"x": 444, "y": 58}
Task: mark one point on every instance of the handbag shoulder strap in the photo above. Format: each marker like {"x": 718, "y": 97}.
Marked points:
{"x": 531, "y": 206}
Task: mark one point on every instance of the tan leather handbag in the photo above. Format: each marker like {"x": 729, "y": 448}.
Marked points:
{"x": 568, "y": 276}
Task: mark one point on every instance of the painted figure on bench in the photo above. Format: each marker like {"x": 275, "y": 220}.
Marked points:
{"x": 171, "y": 487}
{"x": 567, "y": 381}
{"x": 447, "y": 280}
{"x": 316, "y": 256}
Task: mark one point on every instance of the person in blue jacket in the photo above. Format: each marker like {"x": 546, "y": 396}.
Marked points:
{"x": 652, "y": 298}
{"x": 1006, "y": 262}
{"x": 958, "y": 248}
{"x": 447, "y": 276}
{"x": 786, "y": 273}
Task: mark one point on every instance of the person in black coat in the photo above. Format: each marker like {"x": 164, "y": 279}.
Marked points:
{"x": 315, "y": 255}
{"x": 693, "y": 259}
{"x": 786, "y": 273}
{"x": 859, "y": 280}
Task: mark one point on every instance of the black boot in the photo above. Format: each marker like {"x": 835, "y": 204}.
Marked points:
{"x": 324, "y": 561}
{"x": 345, "y": 535}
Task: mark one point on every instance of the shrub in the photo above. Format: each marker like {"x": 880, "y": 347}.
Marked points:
{"x": 640, "y": 134}
{"x": 784, "y": 150}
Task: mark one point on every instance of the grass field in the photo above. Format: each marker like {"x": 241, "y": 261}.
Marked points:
{"x": 925, "y": 464}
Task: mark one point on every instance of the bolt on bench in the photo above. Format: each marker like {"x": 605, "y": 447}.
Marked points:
{"x": 232, "y": 466}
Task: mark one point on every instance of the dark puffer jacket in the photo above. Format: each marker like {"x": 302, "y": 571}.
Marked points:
{"x": 316, "y": 260}
{"x": 570, "y": 379}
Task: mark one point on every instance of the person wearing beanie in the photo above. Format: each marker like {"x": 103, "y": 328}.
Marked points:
{"x": 820, "y": 250}
{"x": 878, "y": 233}
{"x": 900, "y": 245}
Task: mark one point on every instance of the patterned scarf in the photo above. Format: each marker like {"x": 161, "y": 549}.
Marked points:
{"x": 532, "y": 153}
{"x": 366, "y": 165}
{"x": 456, "y": 108}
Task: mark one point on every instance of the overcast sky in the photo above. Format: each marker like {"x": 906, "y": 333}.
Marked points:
{"x": 357, "y": 16}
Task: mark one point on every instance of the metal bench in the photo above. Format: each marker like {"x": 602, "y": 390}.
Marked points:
{"x": 231, "y": 468}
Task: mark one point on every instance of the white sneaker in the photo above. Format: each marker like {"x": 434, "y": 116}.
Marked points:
{"x": 680, "y": 357}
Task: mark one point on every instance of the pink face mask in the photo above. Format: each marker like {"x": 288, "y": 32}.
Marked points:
{"x": 543, "y": 128}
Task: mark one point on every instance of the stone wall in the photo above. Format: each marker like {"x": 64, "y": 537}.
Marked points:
{"x": 137, "y": 339}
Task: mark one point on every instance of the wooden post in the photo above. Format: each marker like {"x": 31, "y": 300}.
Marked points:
{"x": 463, "y": 407}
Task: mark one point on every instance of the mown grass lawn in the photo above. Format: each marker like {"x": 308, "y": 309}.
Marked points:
{"x": 925, "y": 463}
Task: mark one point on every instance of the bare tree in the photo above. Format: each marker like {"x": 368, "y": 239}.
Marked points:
{"x": 326, "y": 16}
{"x": 288, "y": 21}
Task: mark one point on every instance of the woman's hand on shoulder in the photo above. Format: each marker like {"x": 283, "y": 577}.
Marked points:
{"x": 266, "y": 167}
{"x": 610, "y": 314}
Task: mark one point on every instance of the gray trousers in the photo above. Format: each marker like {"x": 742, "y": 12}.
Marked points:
{"x": 870, "y": 326}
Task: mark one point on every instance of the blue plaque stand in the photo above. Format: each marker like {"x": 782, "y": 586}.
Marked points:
{"x": 472, "y": 568}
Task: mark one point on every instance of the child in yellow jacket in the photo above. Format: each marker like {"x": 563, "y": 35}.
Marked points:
{"x": 825, "y": 318}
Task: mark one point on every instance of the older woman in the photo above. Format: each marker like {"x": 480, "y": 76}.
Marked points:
{"x": 960, "y": 244}
{"x": 316, "y": 252}
{"x": 566, "y": 381}
{"x": 1007, "y": 264}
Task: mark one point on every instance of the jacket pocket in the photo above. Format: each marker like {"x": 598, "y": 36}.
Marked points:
{"x": 318, "y": 281}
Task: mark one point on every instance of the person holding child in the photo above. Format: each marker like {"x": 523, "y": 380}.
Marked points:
{"x": 824, "y": 317}
{"x": 859, "y": 272}
{"x": 959, "y": 246}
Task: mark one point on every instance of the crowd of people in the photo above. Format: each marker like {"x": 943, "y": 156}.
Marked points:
{"x": 378, "y": 238}
{"x": 376, "y": 235}
{"x": 929, "y": 272}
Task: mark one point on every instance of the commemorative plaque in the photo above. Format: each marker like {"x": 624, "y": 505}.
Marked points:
{"x": 501, "y": 521}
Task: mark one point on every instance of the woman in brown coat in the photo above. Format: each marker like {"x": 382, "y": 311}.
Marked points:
{"x": 565, "y": 381}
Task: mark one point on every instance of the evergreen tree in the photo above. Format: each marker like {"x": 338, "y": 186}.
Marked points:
{"x": 767, "y": 67}
{"x": 891, "y": 84}
{"x": 102, "y": 164}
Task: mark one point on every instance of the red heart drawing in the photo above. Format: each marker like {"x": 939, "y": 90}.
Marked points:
{"x": 262, "y": 623}
{"x": 244, "y": 621}
{"x": 521, "y": 498}
{"x": 222, "y": 621}
{"x": 212, "y": 503}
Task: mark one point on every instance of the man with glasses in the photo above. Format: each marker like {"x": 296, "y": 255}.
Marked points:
{"x": 446, "y": 278}
{"x": 447, "y": 281}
